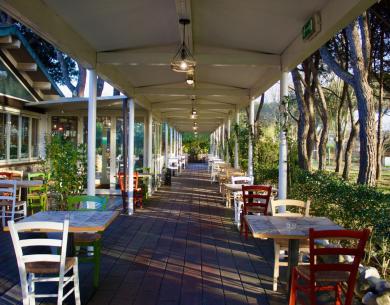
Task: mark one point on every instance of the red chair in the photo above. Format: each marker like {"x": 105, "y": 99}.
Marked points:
{"x": 137, "y": 194}
{"x": 322, "y": 275}
{"x": 6, "y": 176}
{"x": 255, "y": 200}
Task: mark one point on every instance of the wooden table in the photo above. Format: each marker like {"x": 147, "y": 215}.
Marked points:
{"x": 79, "y": 221}
{"x": 28, "y": 183}
{"x": 229, "y": 189}
{"x": 292, "y": 228}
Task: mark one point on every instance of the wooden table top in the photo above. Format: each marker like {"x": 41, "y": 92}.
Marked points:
{"x": 27, "y": 183}
{"x": 289, "y": 227}
{"x": 234, "y": 187}
{"x": 80, "y": 221}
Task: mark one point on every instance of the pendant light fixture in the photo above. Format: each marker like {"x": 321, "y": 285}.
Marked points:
{"x": 183, "y": 61}
{"x": 190, "y": 79}
{"x": 194, "y": 113}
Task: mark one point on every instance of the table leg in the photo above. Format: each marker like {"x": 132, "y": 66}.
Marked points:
{"x": 70, "y": 251}
{"x": 227, "y": 195}
{"x": 293, "y": 256}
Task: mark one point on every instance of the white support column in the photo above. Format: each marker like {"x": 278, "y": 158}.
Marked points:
{"x": 250, "y": 144}
{"x": 223, "y": 140}
{"x": 282, "y": 191}
{"x": 80, "y": 129}
{"x": 130, "y": 149}
{"x": 171, "y": 142}
{"x": 228, "y": 137}
{"x": 91, "y": 132}
{"x": 236, "y": 158}
{"x": 149, "y": 139}
{"x": 113, "y": 169}
{"x": 166, "y": 152}
{"x": 146, "y": 125}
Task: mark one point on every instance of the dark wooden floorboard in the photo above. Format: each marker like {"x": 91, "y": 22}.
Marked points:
{"x": 182, "y": 248}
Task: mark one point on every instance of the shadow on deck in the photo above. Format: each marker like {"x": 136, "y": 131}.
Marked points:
{"x": 182, "y": 248}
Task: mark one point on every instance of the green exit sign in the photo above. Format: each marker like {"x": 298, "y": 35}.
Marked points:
{"x": 312, "y": 27}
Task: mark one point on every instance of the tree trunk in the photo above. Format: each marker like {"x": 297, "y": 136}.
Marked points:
{"x": 351, "y": 140}
{"x": 303, "y": 122}
{"x": 99, "y": 86}
{"x": 366, "y": 106}
{"x": 379, "y": 145}
{"x": 323, "y": 112}
{"x": 340, "y": 131}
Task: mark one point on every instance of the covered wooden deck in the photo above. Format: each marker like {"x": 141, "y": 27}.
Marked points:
{"x": 182, "y": 248}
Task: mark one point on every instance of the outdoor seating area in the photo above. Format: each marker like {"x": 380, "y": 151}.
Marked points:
{"x": 194, "y": 152}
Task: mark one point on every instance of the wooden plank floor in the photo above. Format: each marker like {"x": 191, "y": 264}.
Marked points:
{"x": 182, "y": 248}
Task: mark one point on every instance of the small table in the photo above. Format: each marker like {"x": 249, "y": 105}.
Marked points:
{"x": 276, "y": 227}
{"x": 79, "y": 221}
{"x": 229, "y": 189}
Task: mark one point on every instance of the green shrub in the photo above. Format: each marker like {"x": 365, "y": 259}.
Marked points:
{"x": 352, "y": 206}
{"x": 67, "y": 164}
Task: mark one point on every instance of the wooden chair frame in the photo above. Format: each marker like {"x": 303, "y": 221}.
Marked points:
{"x": 29, "y": 279}
{"x": 251, "y": 195}
{"x": 37, "y": 195}
{"x": 282, "y": 245}
{"x": 10, "y": 208}
{"x": 312, "y": 284}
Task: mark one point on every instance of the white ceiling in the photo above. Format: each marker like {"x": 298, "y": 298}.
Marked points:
{"x": 241, "y": 47}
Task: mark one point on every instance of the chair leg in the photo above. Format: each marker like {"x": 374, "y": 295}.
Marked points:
{"x": 338, "y": 294}
{"x": 96, "y": 267}
{"x": 293, "y": 288}
{"x": 25, "y": 294}
{"x": 32, "y": 289}
{"x": 276, "y": 266}
{"x": 3, "y": 216}
{"x": 76, "y": 283}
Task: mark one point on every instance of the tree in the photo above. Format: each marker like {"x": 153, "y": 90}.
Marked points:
{"x": 359, "y": 50}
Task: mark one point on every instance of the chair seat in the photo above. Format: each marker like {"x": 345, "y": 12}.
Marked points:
{"x": 49, "y": 267}
{"x": 323, "y": 276}
{"x": 86, "y": 237}
{"x": 283, "y": 243}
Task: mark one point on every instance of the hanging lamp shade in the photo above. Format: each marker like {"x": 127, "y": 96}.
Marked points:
{"x": 183, "y": 61}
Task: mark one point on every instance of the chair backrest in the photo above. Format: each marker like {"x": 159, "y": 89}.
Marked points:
{"x": 8, "y": 194}
{"x": 300, "y": 208}
{"x": 123, "y": 184}
{"x": 36, "y": 244}
{"x": 173, "y": 163}
{"x": 256, "y": 196}
{"x": 242, "y": 180}
{"x": 355, "y": 240}
{"x": 85, "y": 202}
{"x": 5, "y": 176}
{"x": 37, "y": 176}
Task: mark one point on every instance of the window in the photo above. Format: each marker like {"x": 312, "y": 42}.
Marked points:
{"x": 65, "y": 127}
{"x": 24, "y": 135}
{"x": 14, "y": 132}
{"x": 3, "y": 136}
{"x": 34, "y": 138}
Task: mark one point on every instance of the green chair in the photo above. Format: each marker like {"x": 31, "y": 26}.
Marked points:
{"x": 37, "y": 195}
{"x": 88, "y": 245}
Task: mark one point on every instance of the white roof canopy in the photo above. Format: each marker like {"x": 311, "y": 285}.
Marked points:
{"x": 240, "y": 47}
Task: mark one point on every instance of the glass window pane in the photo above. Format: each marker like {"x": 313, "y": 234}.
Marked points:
{"x": 24, "y": 149}
{"x": 34, "y": 138}
{"x": 14, "y": 137}
{"x": 65, "y": 127}
{"x": 3, "y": 136}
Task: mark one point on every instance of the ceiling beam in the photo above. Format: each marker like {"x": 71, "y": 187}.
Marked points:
{"x": 217, "y": 58}
{"x": 189, "y": 106}
{"x": 27, "y": 66}
{"x": 191, "y": 91}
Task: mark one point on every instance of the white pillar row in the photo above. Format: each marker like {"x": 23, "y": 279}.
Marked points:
{"x": 166, "y": 152}
{"x": 130, "y": 149}
{"x": 228, "y": 137}
{"x": 113, "y": 169}
{"x": 250, "y": 144}
{"x": 170, "y": 141}
{"x": 237, "y": 121}
{"x": 282, "y": 185}
{"x": 92, "y": 81}
{"x": 223, "y": 139}
{"x": 150, "y": 140}
{"x": 146, "y": 132}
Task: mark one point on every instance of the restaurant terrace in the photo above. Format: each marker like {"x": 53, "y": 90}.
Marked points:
{"x": 180, "y": 66}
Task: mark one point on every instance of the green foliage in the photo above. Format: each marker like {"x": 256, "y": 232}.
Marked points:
{"x": 67, "y": 164}
{"x": 353, "y": 206}
{"x": 265, "y": 159}
{"x": 241, "y": 132}
{"x": 195, "y": 146}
